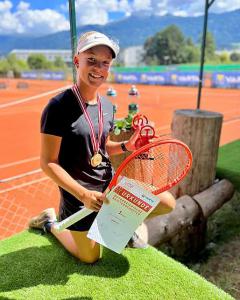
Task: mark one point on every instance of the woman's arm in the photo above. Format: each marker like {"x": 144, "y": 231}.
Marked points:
{"x": 114, "y": 148}
{"x": 50, "y": 147}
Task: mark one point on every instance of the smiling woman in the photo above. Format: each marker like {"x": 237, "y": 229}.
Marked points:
{"x": 75, "y": 145}
{"x": 93, "y": 63}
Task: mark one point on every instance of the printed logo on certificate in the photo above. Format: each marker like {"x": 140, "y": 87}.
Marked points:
{"x": 116, "y": 222}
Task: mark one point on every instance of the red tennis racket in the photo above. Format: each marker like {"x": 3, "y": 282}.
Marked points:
{"x": 156, "y": 167}
{"x": 139, "y": 120}
{"x": 147, "y": 132}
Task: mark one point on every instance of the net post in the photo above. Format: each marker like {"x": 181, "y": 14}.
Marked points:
{"x": 207, "y": 6}
{"x": 73, "y": 32}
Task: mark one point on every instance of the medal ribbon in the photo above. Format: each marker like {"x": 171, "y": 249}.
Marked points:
{"x": 95, "y": 141}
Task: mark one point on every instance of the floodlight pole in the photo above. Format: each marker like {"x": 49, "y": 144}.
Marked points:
{"x": 73, "y": 32}
{"x": 208, "y": 3}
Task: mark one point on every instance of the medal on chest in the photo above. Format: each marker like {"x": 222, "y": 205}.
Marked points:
{"x": 96, "y": 159}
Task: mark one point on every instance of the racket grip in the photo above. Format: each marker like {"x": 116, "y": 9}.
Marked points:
{"x": 140, "y": 142}
{"x": 59, "y": 226}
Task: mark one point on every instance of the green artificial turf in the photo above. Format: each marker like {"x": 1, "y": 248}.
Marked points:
{"x": 228, "y": 164}
{"x": 35, "y": 267}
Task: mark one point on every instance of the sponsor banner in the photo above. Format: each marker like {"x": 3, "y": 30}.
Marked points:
{"x": 29, "y": 75}
{"x": 52, "y": 75}
{"x": 154, "y": 78}
{"x": 48, "y": 75}
{"x": 158, "y": 78}
{"x": 226, "y": 79}
{"x": 184, "y": 78}
{"x": 127, "y": 77}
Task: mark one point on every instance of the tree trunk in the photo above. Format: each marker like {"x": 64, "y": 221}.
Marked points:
{"x": 200, "y": 130}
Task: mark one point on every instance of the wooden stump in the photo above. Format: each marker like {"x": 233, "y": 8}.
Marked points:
{"x": 200, "y": 130}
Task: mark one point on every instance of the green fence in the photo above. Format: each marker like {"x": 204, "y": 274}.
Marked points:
{"x": 186, "y": 67}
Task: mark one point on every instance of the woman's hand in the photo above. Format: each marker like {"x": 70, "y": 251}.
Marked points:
{"x": 93, "y": 200}
{"x": 130, "y": 144}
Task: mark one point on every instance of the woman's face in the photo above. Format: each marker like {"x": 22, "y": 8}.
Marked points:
{"x": 93, "y": 65}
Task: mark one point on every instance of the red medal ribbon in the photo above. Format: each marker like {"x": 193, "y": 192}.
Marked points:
{"x": 95, "y": 142}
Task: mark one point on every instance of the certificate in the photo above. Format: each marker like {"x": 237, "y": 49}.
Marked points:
{"x": 129, "y": 204}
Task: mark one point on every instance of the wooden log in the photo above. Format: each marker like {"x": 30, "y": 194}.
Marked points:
{"x": 162, "y": 228}
{"x": 200, "y": 130}
{"x": 214, "y": 197}
{"x": 188, "y": 212}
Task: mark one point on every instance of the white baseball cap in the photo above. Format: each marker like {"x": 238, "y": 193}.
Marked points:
{"x": 94, "y": 38}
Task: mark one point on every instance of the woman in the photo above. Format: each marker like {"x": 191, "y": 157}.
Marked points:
{"x": 75, "y": 145}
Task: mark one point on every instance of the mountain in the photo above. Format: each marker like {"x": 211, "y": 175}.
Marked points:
{"x": 135, "y": 29}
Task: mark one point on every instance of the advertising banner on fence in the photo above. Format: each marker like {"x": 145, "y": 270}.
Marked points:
{"x": 226, "y": 79}
{"x": 184, "y": 78}
{"x": 127, "y": 77}
{"x": 47, "y": 75}
{"x": 154, "y": 78}
{"x": 158, "y": 78}
{"x": 29, "y": 75}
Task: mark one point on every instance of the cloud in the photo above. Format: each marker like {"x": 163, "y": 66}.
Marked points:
{"x": 28, "y": 21}
{"x": 191, "y": 7}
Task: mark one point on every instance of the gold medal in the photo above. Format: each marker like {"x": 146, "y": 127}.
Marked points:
{"x": 96, "y": 160}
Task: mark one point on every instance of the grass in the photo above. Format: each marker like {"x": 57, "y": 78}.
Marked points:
{"x": 37, "y": 267}
{"x": 220, "y": 262}
{"x": 228, "y": 165}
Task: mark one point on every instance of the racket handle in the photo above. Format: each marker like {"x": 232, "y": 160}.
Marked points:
{"x": 59, "y": 226}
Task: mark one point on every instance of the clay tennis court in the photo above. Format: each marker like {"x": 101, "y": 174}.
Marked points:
{"x": 20, "y": 111}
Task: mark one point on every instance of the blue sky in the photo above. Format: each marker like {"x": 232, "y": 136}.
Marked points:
{"x": 39, "y": 17}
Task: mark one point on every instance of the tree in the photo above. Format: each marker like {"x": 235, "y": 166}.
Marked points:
{"x": 38, "y": 62}
{"x": 190, "y": 52}
{"x": 210, "y": 47}
{"x": 4, "y": 67}
{"x": 16, "y": 65}
{"x": 235, "y": 57}
{"x": 223, "y": 57}
{"x": 169, "y": 47}
{"x": 59, "y": 63}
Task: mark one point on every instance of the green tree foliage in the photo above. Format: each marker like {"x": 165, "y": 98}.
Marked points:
{"x": 164, "y": 46}
{"x": 38, "y": 62}
{"x": 59, "y": 63}
{"x": 210, "y": 48}
{"x": 11, "y": 64}
{"x": 224, "y": 58}
{"x": 235, "y": 57}
{"x": 170, "y": 47}
{"x": 4, "y": 67}
{"x": 190, "y": 52}
{"x": 16, "y": 65}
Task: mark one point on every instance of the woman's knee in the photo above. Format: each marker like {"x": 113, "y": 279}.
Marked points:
{"x": 89, "y": 258}
{"x": 168, "y": 199}
{"x": 166, "y": 205}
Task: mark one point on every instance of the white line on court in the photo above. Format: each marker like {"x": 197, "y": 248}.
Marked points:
{"x": 24, "y": 184}
{"x": 15, "y": 102}
{"x": 19, "y": 162}
{"x": 20, "y": 175}
{"x": 231, "y": 121}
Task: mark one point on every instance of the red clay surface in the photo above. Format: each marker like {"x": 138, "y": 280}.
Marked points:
{"x": 19, "y": 123}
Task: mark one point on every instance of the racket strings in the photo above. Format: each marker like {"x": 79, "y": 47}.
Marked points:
{"x": 160, "y": 167}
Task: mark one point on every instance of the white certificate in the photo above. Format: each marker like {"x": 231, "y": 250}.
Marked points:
{"x": 116, "y": 222}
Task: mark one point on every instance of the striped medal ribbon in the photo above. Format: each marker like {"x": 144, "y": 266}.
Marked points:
{"x": 97, "y": 157}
